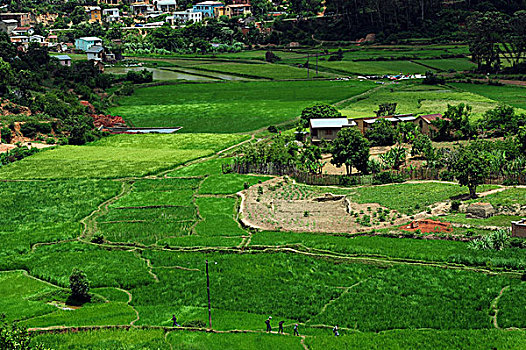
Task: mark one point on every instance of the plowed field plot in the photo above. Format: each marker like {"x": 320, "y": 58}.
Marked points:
{"x": 277, "y": 205}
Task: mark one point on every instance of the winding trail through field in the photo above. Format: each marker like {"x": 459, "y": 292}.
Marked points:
{"x": 494, "y": 307}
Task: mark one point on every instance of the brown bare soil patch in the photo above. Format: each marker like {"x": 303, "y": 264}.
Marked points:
{"x": 278, "y": 204}
{"x": 428, "y": 226}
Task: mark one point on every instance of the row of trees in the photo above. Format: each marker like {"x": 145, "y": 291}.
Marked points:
{"x": 494, "y": 36}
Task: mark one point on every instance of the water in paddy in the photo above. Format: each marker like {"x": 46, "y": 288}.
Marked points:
{"x": 159, "y": 74}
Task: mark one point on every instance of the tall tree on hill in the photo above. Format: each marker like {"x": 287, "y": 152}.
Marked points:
{"x": 351, "y": 149}
{"x": 485, "y": 33}
{"x": 305, "y": 7}
{"x": 471, "y": 166}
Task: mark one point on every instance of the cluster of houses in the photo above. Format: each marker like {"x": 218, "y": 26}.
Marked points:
{"x": 19, "y": 25}
{"x": 326, "y": 129}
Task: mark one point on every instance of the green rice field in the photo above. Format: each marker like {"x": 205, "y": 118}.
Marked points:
{"x": 212, "y": 107}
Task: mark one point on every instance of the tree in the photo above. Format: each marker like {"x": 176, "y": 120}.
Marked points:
{"x": 385, "y": 109}
{"x": 78, "y": 15}
{"x": 422, "y": 146}
{"x": 381, "y": 133}
{"x": 305, "y": 7}
{"x": 521, "y": 138}
{"x": 310, "y": 158}
{"x": 455, "y": 123}
{"x": 351, "y": 149}
{"x": 6, "y": 76}
{"x": 271, "y": 57}
{"x": 501, "y": 120}
{"x": 484, "y": 36}
{"x": 79, "y": 285}
{"x": 318, "y": 111}
{"x": 260, "y": 7}
{"x": 471, "y": 166}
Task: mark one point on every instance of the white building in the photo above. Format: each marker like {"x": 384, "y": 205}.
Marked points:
{"x": 185, "y": 16}
{"x": 111, "y": 15}
{"x": 165, "y": 5}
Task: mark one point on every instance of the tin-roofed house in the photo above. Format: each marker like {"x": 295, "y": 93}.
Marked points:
{"x": 64, "y": 60}
{"x": 86, "y": 42}
{"x": 95, "y": 53}
{"x": 327, "y": 128}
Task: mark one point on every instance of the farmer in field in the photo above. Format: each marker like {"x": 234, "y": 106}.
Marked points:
{"x": 280, "y": 330}
{"x": 267, "y": 322}
{"x": 335, "y": 331}
{"x": 175, "y": 324}
{"x": 296, "y": 332}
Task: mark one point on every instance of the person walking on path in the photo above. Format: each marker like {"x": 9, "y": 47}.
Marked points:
{"x": 269, "y": 329}
{"x": 335, "y": 331}
{"x": 280, "y": 330}
{"x": 296, "y": 330}
{"x": 175, "y": 324}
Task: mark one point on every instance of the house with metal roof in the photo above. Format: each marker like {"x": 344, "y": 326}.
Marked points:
{"x": 366, "y": 123}
{"x": 64, "y": 60}
{"x": 95, "y": 53}
{"x": 86, "y": 42}
{"x": 327, "y": 128}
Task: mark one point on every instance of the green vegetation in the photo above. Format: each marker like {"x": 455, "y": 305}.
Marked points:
{"x": 408, "y": 297}
{"x": 212, "y": 107}
{"x": 511, "y": 95}
{"x": 410, "y": 198}
{"x": 263, "y": 70}
{"x": 119, "y": 156}
{"x": 218, "y": 217}
{"x": 87, "y": 315}
{"x": 229, "y": 183}
{"x": 34, "y": 212}
{"x": 17, "y": 291}
{"x": 417, "y": 99}
{"x": 423, "y": 339}
{"x": 450, "y": 64}
{"x": 133, "y": 339}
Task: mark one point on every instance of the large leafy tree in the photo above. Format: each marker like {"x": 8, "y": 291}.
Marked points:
{"x": 6, "y": 76}
{"x": 471, "y": 166}
{"x": 381, "y": 133}
{"x": 501, "y": 120}
{"x": 351, "y": 149}
{"x": 305, "y": 7}
{"x": 484, "y": 36}
{"x": 79, "y": 285}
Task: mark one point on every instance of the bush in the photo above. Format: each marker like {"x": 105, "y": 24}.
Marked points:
{"x": 388, "y": 177}
{"x": 271, "y": 57}
{"x": 446, "y": 175}
{"x": 6, "y": 135}
{"x": 31, "y": 128}
{"x": 273, "y": 129}
{"x": 495, "y": 240}
{"x": 455, "y": 206}
{"x": 140, "y": 77}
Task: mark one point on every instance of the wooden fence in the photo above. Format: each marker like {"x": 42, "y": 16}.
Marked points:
{"x": 420, "y": 173}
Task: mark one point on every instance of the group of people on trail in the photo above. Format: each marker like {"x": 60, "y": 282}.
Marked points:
{"x": 280, "y": 327}
{"x": 269, "y": 327}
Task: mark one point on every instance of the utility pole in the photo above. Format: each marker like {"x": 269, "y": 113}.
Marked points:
{"x": 316, "y": 64}
{"x": 308, "y": 66}
{"x": 208, "y": 291}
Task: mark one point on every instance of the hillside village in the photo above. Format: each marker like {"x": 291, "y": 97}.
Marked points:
{"x": 256, "y": 174}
